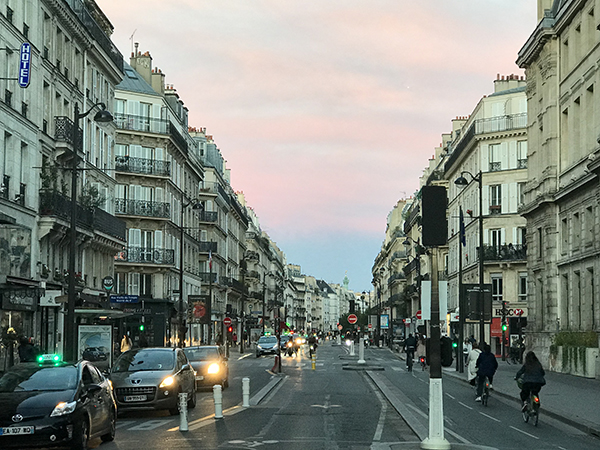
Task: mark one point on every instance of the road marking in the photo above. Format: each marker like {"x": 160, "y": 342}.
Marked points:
{"x": 524, "y": 432}
{"x": 150, "y": 425}
{"x": 124, "y": 423}
{"x": 489, "y": 417}
{"x": 198, "y": 422}
{"x": 398, "y": 369}
{"x": 382, "y": 414}
{"x": 450, "y": 396}
{"x": 244, "y": 356}
{"x": 417, "y": 410}
{"x": 466, "y": 406}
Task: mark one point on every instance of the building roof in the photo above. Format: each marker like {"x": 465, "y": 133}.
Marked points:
{"x": 508, "y": 91}
{"x": 133, "y": 82}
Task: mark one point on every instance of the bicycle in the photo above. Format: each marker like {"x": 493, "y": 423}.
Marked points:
{"x": 409, "y": 360}
{"x": 485, "y": 395}
{"x": 423, "y": 362}
{"x": 531, "y": 408}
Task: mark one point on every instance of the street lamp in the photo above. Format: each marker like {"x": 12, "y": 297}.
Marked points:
{"x": 101, "y": 116}
{"x": 462, "y": 182}
{"x": 381, "y": 271}
{"x": 181, "y": 317}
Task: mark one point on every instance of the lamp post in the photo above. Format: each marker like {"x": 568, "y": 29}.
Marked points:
{"x": 70, "y": 329}
{"x": 381, "y": 271}
{"x": 462, "y": 182}
{"x": 243, "y": 267}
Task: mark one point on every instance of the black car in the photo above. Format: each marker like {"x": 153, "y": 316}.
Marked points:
{"x": 95, "y": 354}
{"x": 153, "y": 378}
{"x": 210, "y": 365}
{"x": 54, "y": 403}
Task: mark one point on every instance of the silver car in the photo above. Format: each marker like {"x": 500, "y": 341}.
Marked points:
{"x": 152, "y": 378}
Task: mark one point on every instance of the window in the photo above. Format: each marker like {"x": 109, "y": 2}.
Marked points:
{"x": 496, "y": 287}
{"x": 495, "y": 163}
{"x": 9, "y": 14}
{"x": 8, "y": 98}
{"x": 564, "y": 236}
{"x": 588, "y": 238}
{"x": 496, "y": 199}
{"x": 24, "y": 109}
{"x": 540, "y": 249}
{"x": 523, "y": 286}
{"x": 521, "y": 154}
{"x": 521, "y": 193}
{"x": 576, "y": 227}
{"x": 26, "y": 31}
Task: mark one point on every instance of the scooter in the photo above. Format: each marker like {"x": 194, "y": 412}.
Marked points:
{"x": 290, "y": 349}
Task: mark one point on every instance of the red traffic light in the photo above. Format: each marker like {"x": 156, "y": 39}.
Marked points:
{"x": 230, "y": 329}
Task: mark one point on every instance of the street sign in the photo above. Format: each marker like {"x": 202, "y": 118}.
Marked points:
{"x": 25, "y": 64}
{"x": 340, "y": 327}
{"x": 370, "y": 326}
{"x": 352, "y": 318}
{"x": 227, "y": 321}
{"x": 124, "y": 298}
{"x": 418, "y": 315}
{"x": 108, "y": 283}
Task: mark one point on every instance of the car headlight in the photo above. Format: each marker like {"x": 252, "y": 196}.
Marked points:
{"x": 213, "y": 368}
{"x": 167, "y": 382}
{"x": 259, "y": 346}
{"x": 63, "y": 408}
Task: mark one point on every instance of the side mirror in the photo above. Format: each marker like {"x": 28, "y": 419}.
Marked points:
{"x": 92, "y": 389}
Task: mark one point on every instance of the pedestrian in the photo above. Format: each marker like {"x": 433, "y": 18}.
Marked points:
{"x": 143, "y": 340}
{"x": 234, "y": 339}
{"x": 531, "y": 377}
{"x": 471, "y": 363}
{"x": 421, "y": 347}
{"x": 486, "y": 368}
{"x": 26, "y": 350}
{"x": 126, "y": 343}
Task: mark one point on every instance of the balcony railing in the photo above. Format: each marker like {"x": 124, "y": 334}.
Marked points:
{"x": 206, "y": 277}
{"x": 140, "y": 123}
{"x": 206, "y": 247}
{"x": 143, "y": 166}
{"x": 495, "y": 209}
{"x": 63, "y": 131}
{"x": 396, "y": 277}
{"x": 411, "y": 266}
{"x": 142, "y": 208}
{"x": 507, "y": 252}
{"x": 56, "y": 205}
{"x": 147, "y": 255}
{"x": 207, "y": 216}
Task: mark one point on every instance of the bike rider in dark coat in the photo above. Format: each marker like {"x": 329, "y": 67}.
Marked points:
{"x": 532, "y": 377}
{"x": 410, "y": 344}
{"x": 486, "y": 368}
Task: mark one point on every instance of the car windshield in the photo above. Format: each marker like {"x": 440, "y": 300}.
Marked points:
{"x": 37, "y": 378}
{"x": 201, "y": 353}
{"x": 267, "y": 340}
{"x": 136, "y": 360}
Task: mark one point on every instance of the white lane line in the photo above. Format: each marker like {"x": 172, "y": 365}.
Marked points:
{"x": 150, "y": 425}
{"x": 466, "y": 406}
{"x": 457, "y": 436}
{"x": 417, "y": 410}
{"x": 489, "y": 417}
{"x": 124, "y": 423}
{"x": 525, "y": 433}
{"x": 450, "y": 396}
{"x": 382, "y": 414}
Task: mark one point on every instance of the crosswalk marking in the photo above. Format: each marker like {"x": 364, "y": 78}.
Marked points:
{"x": 150, "y": 425}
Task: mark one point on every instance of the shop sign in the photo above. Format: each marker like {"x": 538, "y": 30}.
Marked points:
{"x": 50, "y": 298}
{"x": 19, "y": 300}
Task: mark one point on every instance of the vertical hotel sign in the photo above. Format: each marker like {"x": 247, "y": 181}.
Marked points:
{"x": 25, "y": 64}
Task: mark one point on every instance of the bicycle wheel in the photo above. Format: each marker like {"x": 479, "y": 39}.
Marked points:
{"x": 526, "y": 416}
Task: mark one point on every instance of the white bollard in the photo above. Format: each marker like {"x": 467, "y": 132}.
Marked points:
{"x": 218, "y": 396}
{"x": 246, "y": 392}
{"x": 338, "y": 340}
{"x": 361, "y": 351}
{"x": 352, "y": 348}
{"x": 183, "y": 412}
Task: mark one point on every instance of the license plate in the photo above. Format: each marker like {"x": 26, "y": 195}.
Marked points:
{"x": 10, "y": 431}
{"x": 136, "y": 398}
{"x": 199, "y": 377}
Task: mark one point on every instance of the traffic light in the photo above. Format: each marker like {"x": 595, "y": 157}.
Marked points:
{"x": 446, "y": 351}
{"x": 141, "y": 327}
{"x": 504, "y": 326}
{"x": 352, "y": 306}
{"x": 230, "y": 329}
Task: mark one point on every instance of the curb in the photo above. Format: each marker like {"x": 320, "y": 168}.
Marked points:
{"x": 266, "y": 390}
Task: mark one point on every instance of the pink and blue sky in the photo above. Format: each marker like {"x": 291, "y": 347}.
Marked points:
{"x": 327, "y": 111}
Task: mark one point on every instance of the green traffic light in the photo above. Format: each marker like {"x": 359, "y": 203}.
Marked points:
{"x": 141, "y": 327}
{"x": 455, "y": 344}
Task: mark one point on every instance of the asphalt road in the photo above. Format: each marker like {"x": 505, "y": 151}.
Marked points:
{"x": 333, "y": 408}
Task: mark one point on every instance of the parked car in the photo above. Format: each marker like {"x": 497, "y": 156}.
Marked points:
{"x": 51, "y": 402}
{"x": 266, "y": 345}
{"x": 152, "y": 378}
{"x": 210, "y": 365}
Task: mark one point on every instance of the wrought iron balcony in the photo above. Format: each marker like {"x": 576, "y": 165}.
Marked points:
{"x": 142, "y": 208}
{"x": 140, "y": 123}
{"x": 109, "y": 224}
{"x": 63, "y": 131}
{"x": 207, "y": 216}
{"x": 206, "y": 277}
{"x": 147, "y": 255}
{"x": 143, "y": 166}
{"x": 507, "y": 252}
{"x": 206, "y": 247}
{"x": 252, "y": 274}
{"x": 411, "y": 266}
{"x": 396, "y": 277}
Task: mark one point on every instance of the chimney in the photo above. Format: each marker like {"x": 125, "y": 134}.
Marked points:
{"x": 142, "y": 64}
{"x": 158, "y": 81}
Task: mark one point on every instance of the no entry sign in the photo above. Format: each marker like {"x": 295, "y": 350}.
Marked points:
{"x": 352, "y": 318}
{"x": 227, "y": 321}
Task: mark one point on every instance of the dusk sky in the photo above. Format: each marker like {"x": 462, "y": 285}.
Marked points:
{"x": 326, "y": 111}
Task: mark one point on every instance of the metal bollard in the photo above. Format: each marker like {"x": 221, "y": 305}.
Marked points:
{"x": 218, "y": 396}
{"x": 246, "y": 392}
{"x": 183, "y": 412}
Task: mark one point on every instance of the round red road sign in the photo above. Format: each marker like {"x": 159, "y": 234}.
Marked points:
{"x": 418, "y": 315}
{"x": 352, "y": 318}
{"x": 227, "y": 321}
{"x": 370, "y": 326}
{"x": 518, "y": 312}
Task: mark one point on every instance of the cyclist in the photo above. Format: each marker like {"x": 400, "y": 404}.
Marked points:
{"x": 410, "y": 344}
{"x": 486, "y": 368}
{"x": 532, "y": 374}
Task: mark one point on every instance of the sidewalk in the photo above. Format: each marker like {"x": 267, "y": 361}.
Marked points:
{"x": 570, "y": 399}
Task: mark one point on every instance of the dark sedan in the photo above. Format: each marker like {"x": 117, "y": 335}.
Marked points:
{"x": 54, "y": 403}
{"x": 210, "y": 365}
{"x": 152, "y": 378}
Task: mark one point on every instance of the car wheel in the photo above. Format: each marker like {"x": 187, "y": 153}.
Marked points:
{"x": 82, "y": 437}
{"x": 110, "y": 436}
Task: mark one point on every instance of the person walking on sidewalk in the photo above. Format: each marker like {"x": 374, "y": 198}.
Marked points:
{"x": 486, "y": 368}
{"x": 472, "y": 364}
{"x": 532, "y": 377}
